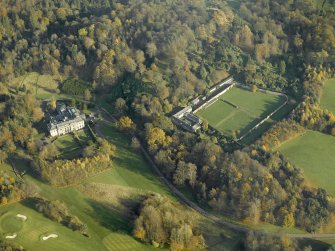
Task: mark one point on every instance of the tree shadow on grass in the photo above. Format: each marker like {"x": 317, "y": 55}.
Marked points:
{"x": 114, "y": 217}
{"x": 30, "y": 202}
{"x": 268, "y": 107}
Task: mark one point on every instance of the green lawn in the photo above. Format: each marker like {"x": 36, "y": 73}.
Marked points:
{"x": 130, "y": 168}
{"x": 328, "y": 96}
{"x": 313, "y": 152}
{"x": 43, "y": 86}
{"x": 109, "y": 228}
{"x": 250, "y": 109}
{"x": 69, "y": 147}
{"x": 66, "y": 143}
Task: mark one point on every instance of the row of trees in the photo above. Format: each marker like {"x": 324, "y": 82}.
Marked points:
{"x": 10, "y": 246}
{"x": 279, "y": 133}
{"x": 262, "y": 242}
{"x": 309, "y": 113}
{"x": 57, "y": 211}
{"x": 60, "y": 172}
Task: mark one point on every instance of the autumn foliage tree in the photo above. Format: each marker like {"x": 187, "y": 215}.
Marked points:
{"x": 126, "y": 124}
{"x": 162, "y": 222}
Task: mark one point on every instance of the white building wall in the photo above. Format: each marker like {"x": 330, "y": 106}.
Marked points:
{"x": 67, "y": 128}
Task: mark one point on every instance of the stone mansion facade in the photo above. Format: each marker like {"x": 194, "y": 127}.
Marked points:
{"x": 68, "y": 119}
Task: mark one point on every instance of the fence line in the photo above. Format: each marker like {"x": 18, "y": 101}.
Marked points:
{"x": 214, "y": 98}
{"x": 267, "y": 117}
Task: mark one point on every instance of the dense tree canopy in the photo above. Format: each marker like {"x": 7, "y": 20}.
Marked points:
{"x": 153, "y": 56}
{"x": 162, "y": 222}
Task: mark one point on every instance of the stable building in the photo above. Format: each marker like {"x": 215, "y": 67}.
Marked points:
{"x": 68, "y": 119}
{"x": 187, "y": 120}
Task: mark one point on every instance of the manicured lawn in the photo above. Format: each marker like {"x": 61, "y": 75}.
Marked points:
{"x": 69, "y": 147}
{"x": 313, "y": 152}
{"x": 121, "y": 242}
{"x": 84, "y": 136}
{"x": 211, "y": 112}
{"x": 328, "y": 96}
{"x": 282, "y": 113}
{"x": 250, "y": 109}
{"x": 30, "y": 233}
{"x": 66, "y": 143}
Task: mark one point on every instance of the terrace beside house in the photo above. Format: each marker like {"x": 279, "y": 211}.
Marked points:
{"x": 68, "y": 119}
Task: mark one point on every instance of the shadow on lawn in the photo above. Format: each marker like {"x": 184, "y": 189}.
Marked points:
{"x": 131, "y": 160}
{"x": 30, "y": 202}
{"x": 269, "y": 107}
{"x": 114, "y": 217}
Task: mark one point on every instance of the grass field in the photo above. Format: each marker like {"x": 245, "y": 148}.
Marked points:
{"x": 130, "y": 168}
{"x": 328, "y": 96}
{"x": 42, "y": 86}
{"x": 313, "y": 152}
{"x": 109, "y": 228}
{"x": 103, "y": 202}
{"x": 104, "y": 206}
{"x": 239, "y": 110}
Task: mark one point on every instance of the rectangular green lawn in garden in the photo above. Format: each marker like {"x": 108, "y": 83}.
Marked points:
{"x": 313, "y": 152}
{"x": 328, "y": 95}
{"x": 69, "y": 147}
{"x": 238, "y": 110}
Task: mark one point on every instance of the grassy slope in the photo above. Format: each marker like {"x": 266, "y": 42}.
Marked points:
{"x": 130, "y": 168}
{"x": 313, "y": 152}
{"x": 252, "y": 107}
{"x": 106, "y": 226}
{"x": 328, "y": 97}
{"x": 43, "y": 86}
